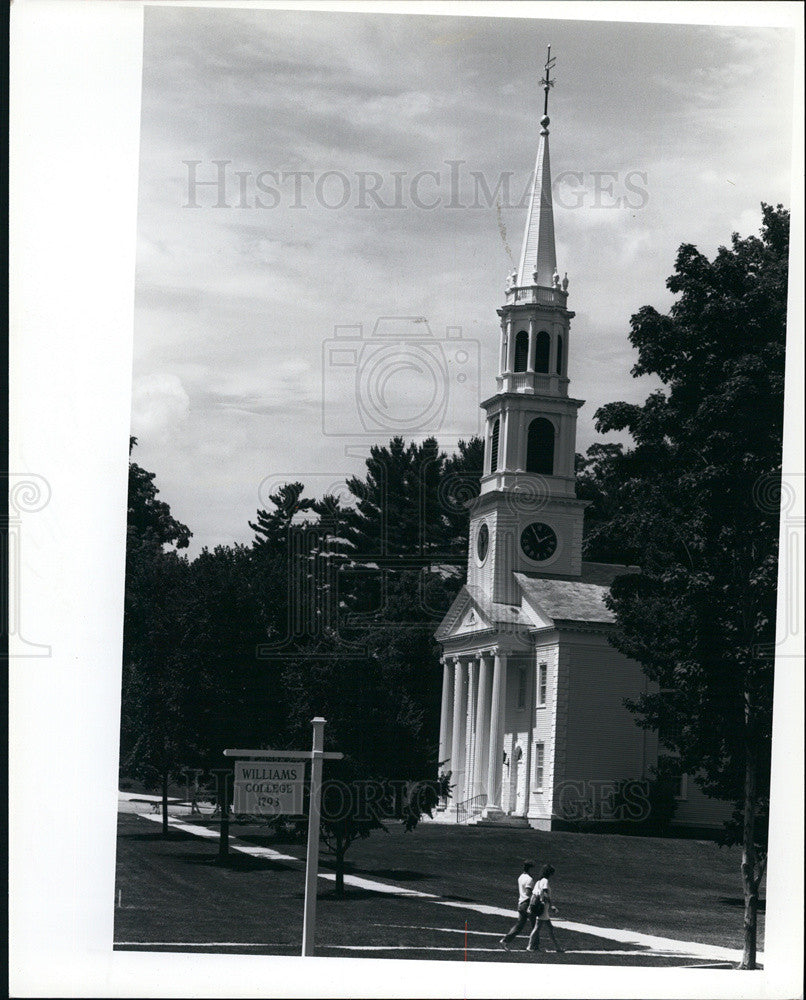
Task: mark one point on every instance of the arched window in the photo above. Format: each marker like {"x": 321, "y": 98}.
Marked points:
{"x": 521, "y": 351}
{"x": 494, "y": 446}
{"x": 559, "y": 355}
{"x": 542, "y": 352}
{"x": 540, "y": 447}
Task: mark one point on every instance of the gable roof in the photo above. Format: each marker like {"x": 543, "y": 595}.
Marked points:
{"x": 547, "y": 601}
{"x": 566, "y": 600}
{"x": 573, "y": 598}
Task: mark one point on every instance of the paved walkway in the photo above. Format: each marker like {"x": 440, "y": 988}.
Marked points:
{"x": 650, "y": 944}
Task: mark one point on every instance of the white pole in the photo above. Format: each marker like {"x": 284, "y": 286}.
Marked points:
{"x": 312, "y": 859}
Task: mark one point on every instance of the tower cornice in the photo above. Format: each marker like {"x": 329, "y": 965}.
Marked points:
{"x": 526, "y": 307}
{"x": 527, "y": 399}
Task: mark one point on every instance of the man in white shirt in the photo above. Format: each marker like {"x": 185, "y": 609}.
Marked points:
{"x": 526, "y": 884}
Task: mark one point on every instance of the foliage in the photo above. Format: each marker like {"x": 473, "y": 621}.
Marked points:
{"x": 157, "y": 731}
{"x": 149, "y": 521}
{"x": 695, "y": 502}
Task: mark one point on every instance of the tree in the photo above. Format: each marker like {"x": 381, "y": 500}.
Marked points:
{"x": 355, "y": 803}
{"x": 695, "y": 502}
{"x": 149, "y": 521}
{"x": 157, "y": 688}
{"x": 237, "y": 701}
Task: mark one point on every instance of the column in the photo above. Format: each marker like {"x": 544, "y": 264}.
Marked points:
{"x": 470, "y": 740}
{"x": 495, "y": 757}
{"x": 458, "y": 734}
{"x": 510, "y": 347}
{"x": 531, "y": 702}
{"x": 553, "y": 349}
{"x": 532, "y": 344}
{"x": 482, "y": 727}
{"x": 445, "y": 716}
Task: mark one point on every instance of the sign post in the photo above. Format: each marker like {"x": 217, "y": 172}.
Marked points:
{"x": 312, "y": 857}
{"x": 276, "y": 789}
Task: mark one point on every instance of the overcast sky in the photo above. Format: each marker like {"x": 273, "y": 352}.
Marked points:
{"x": 659, "y": 135}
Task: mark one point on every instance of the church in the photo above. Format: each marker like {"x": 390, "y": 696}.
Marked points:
{"x": 533, "y": 726}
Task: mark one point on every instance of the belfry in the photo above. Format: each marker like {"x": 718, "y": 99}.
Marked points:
{"x": 533, "y": 726}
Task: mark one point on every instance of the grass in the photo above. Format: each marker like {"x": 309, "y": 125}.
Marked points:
{"x": 175, "y": 890}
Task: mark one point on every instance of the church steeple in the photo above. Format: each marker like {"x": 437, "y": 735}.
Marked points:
{"x": 527, "y": 506}
{"x": 538, "y": 263}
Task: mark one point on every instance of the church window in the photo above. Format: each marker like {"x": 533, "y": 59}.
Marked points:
{"x": 542, "y": 684}
{"x": 559, "y": 355}
{"x": 540, "y": 447}
{"x": 521, "y": 351}
{"x": 494, "y": 446}
{"x": 540, "y": 753}
{"x": 521, "y": 687}
{"x": 542, "y": 351}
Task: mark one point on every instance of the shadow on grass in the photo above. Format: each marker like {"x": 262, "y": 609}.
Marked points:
{"x": 157, "y": 836}
{"x": 398, "y": 874}
{"x": 235, "y": 862}
{"x": 351, "y": 895}
{"x": 739, "y": 902}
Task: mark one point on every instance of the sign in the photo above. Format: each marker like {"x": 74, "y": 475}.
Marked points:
{"x": 268, "y": 788}
{"x": 274, "y": 787}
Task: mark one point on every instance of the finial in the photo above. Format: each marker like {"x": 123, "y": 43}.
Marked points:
{"x": 546, "y": 83}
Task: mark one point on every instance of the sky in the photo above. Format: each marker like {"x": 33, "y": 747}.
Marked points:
{"x": 372, "y": 169}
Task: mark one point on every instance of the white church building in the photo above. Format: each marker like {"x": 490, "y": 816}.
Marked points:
{"x": 533, "y": 726}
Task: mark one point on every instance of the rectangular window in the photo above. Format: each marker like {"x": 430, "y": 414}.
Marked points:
{"x": 521, "y": 687}
{"x": 539, "y": 755}
{"x": 542, "y": 684}
{"x": 682, "y": 788}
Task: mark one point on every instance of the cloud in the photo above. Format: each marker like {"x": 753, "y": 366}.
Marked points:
{"x": 235, "y": 305}
{"x": 159, "y": 405}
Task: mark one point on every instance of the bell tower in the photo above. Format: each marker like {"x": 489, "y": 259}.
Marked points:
{"x": 527, "y": 518}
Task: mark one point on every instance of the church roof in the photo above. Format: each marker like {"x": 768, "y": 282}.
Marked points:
{"x": 573, "y": 599}
{"x": 557, "y": 599}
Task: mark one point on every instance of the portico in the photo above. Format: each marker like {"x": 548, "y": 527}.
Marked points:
{"x": 472, "y": 729}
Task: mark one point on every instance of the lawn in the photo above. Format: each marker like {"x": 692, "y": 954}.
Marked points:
{"x": 175, "y": 893}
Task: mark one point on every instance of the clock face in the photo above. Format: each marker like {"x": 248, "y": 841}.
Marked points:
{"x": 538, "y": 541}
{"x": 482, "y": 542}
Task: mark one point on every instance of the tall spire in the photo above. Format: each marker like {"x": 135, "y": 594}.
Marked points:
{"x": 538, "y": 253}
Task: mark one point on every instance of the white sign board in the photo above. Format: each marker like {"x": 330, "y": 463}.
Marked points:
{"x": 268, "y": 788}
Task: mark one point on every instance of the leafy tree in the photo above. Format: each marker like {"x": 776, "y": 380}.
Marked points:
{"x": 695, "y": 502}
{"x": 355, "y": 803}
{"x": 238, "y": 701}
{"x": 157, "y": 686}
{"x": 149, "y": 521}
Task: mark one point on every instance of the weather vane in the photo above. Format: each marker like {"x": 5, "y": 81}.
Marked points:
{"x": 547, "y": 83}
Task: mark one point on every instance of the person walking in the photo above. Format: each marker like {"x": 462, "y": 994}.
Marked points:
{"x": 542, "y": 908}
{"x": 526, "y": 884}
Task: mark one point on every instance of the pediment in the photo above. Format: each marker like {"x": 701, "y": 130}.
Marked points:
{"x": 471, "y": 621}
{"x": 464, "y": 617}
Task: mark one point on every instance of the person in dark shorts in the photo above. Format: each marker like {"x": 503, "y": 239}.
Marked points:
{"x": 526, "y": 884}
{"x": 542, "y": 908}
